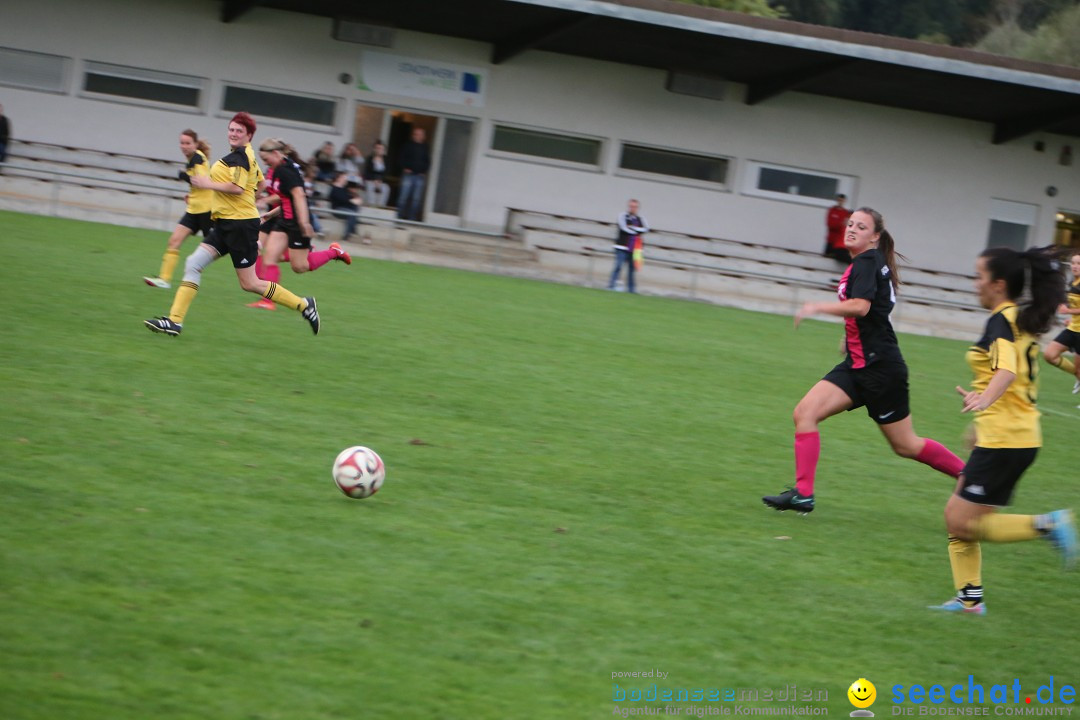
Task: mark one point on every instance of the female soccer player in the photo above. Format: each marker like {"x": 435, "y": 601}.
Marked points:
{"x": 873, "y": 374}
{"x": 1069, "y": 338}
{"x": 291, "y": 224}
{"x": 234, "y": 180}
{"x": 197, "y": 217}
{"x": 1007, "y": 432}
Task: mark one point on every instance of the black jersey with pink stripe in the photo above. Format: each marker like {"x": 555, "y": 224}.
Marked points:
{"x": 285, "y": 177}
{"x": 870, "y": 339}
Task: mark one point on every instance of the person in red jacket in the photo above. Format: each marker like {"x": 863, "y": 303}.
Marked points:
{"x": 835, "y": 223}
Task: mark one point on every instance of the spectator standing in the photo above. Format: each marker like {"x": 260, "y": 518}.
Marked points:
{"x": 376, "y": 191}
{"x": 415, "y": 160}
{"x": 631, "y": 228}
{"x": 5, "y": 135}
{"x": 836, "y": 220}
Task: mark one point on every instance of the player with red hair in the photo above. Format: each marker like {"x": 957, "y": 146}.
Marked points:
{"x": 234, "y": 180}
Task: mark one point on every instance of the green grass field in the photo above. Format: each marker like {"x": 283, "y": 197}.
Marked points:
{"x": 573, "y": 491}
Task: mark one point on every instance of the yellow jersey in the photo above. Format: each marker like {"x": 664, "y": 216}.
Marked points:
{"x": 198, "y": 201}
{"x": 1072, "y": 300}
{"x": 238, "y": 168}
{"x": 1013, "y": 420}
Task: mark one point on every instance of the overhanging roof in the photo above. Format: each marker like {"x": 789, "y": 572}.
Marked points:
{"x": 770, "y": 57}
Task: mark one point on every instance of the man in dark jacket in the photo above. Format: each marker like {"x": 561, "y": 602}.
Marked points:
{"x": 414, "y": 160}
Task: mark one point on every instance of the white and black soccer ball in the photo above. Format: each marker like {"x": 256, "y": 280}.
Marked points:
{"x": 359, "y": 472}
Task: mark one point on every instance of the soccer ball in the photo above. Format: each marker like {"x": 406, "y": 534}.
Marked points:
{"x": 359, "y": 472}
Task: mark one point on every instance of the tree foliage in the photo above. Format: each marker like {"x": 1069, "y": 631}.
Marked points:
{"x": 1055, "y": 40}
{"x": 761, "y": 8}
{"x": 1044, "y": 30}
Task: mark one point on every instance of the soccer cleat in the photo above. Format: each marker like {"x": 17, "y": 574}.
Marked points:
{"x": 263, "y": 304}
{"x": 340, "y": 254}
{"x": 958, "y": 605}
{"x": 164, "y": 325}
{"x": 790, "y": 499}
{"x": 164, "y": 285}
{"x": 311, "y": 314}
{"x": 1076, "y": 387}
{"x": 1062, "y": 535}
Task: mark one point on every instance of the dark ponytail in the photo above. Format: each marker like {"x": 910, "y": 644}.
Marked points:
{"x": 1033, "y": 280}
{"x": 886, "y": 245}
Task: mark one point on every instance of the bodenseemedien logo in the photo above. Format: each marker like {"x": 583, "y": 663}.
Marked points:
{"x": 862, "y": 695}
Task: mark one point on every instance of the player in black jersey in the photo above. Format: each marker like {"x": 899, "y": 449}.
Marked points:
{"x": 873, "y": 374}
{"x": 288, "y": 224}
{"x": 1008, "y": 435}
{"x": 1069, "y": 338}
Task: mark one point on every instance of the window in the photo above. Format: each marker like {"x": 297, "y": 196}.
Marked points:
{"x": 673, "y": 163}
{"x": 261, "y": 102}
{"x": 1010, "y": 223}
{"x": 149, "y": 86}
{"x": 33, "y": 71}
{"x": 549, "y": 145}
{"x": 813, "y": 187}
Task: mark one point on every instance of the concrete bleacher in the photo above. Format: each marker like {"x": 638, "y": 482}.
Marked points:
{"x": 738, "y": 273}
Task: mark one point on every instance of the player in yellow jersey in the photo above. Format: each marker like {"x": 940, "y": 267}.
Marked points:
{"x": 197, "y": 217}
{"x": 1007, "y": 430}
{"x": 1069, "y": 338}
{"x": 234, "y": 180}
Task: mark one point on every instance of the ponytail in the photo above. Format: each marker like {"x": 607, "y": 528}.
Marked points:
{"x": 886, "y": 245}
{"x": 1033, "y": 280}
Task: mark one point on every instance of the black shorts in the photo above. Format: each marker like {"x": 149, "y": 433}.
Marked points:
{"x": 1069, "y": 339}
{"x": 197, "y": 223}
{"x": 991, "y": 474}
{"x": 268, "y": 226}
{"x": 881, "y": 387}
{"x": 238, "y": 238}
{"x": 292, "y": 231}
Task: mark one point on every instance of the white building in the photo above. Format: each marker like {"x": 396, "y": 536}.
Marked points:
{"x": 722, "y": 125}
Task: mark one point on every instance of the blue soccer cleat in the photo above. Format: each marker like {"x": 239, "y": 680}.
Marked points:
{"x": 957, "y": 605}
{"x": 1062, "y": 535}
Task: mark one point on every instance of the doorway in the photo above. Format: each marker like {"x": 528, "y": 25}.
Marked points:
{"x": 449, "y": 141}
{"x": 1067, "y": 229}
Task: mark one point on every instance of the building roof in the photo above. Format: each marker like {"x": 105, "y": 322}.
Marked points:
{"x": 768, "y": 56}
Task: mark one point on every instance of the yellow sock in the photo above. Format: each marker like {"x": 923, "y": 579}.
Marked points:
{"x": 185, "y": 294}
{"x": 284, "y": 298}
{"x": 168, "y": 264}
{"x": 965, "y": 557}
{"x": 1066, "y": 364}
{"x": 1005, "y": 528}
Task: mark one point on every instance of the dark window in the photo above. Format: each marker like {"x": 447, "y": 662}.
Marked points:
{"x": 267, "y": 103}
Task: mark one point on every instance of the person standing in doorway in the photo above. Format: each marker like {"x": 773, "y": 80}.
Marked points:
{"x": 629, "y": 240}
{"x": 835, "y": 223}
{"x": 415, "y": 161}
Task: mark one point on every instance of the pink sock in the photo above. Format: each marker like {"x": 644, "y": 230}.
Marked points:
{"x": 807, "y": 452}
{"x": 319, "y": 258}
{"x": 259, "y": 268}
{"x": 940, "y": 458}
{"x": 271, "y": 273}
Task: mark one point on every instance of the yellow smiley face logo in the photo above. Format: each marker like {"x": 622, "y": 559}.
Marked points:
{"x": 862, "y": 693}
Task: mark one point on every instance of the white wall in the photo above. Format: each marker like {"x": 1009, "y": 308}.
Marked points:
{"x": 932, "y": 177}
